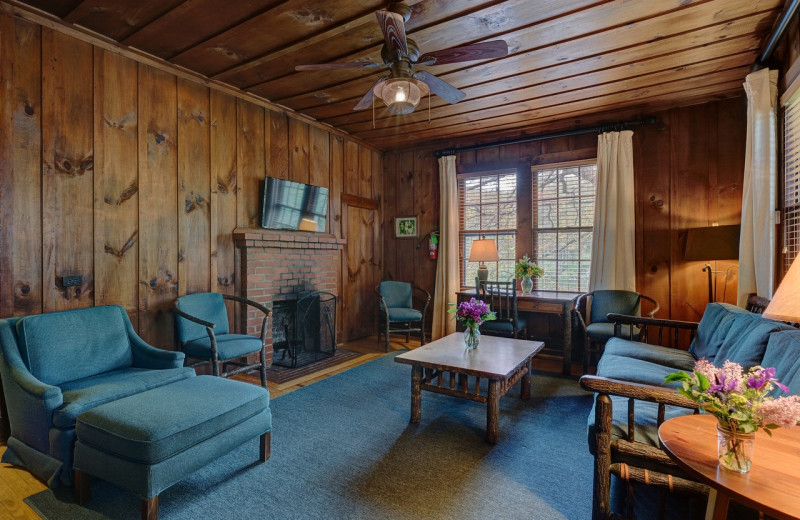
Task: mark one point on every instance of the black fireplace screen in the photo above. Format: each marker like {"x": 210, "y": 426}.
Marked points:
{"x": 303, "y": 329}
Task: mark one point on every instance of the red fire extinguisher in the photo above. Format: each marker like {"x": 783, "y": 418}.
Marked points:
{"x": 433, "y": 245}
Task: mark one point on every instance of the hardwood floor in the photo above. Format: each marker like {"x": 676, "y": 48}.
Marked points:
{"x": 16, "y": 483}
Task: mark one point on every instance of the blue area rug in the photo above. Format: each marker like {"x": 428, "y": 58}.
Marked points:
{"x": 343, "y": 448}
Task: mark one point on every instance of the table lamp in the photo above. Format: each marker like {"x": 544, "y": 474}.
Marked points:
{"x": 483, "y": 250}
{"x": 785, "y": 305}
{"x": 712, "y": 243}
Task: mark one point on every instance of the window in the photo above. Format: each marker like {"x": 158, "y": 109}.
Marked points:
{"x": 563, "y": 215}
{"x": 488, "y": 209}
{"x": 791, "y": 182}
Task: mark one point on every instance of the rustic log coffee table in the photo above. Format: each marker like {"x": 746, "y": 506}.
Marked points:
{"x": 503, "y": 361}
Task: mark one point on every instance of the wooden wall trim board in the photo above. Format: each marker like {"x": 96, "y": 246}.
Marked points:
{"x": 134, "y": 178}
{"x": 31, "y": 14}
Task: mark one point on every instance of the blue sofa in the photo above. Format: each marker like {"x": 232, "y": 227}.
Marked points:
{"x": 56, "y": 366}
{"x": 629, "y": 384}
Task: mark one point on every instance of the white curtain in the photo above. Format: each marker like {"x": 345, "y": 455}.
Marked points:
{"x": 757, "y": 239}
{"x": 613, "y": 239}
{"x": 447, "y": 279}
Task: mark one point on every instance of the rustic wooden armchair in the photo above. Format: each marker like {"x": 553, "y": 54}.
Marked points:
{"x": 396, "y": 313}
{"x": 502, "y": 300}
{"x": 592, "y": 310}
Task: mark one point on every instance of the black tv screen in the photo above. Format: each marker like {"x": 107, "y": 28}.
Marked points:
{"x": 294, "y": 205}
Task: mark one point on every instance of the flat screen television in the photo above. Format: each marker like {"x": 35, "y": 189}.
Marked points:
{"x": 294, "y": 206}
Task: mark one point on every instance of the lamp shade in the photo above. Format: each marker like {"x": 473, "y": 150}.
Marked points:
{"x": 401, "y": 95}
{"x": 484, "y": 250}
{"x": 712, "y": 243}
{"x": 785, "y": 305}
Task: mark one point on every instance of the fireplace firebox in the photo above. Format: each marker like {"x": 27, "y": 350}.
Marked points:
{"x": 303, "y": 328}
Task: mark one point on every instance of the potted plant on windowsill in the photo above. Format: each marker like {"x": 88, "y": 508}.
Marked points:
{"x": 526, "y": 270}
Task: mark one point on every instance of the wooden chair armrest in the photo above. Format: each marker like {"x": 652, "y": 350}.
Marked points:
{"x": 266, "y": 309}
{"x": 656, "y": 307}
{"x": 420, "y": 289}
{"x": 638, "y": 391}
{"x": 195, "y": 319}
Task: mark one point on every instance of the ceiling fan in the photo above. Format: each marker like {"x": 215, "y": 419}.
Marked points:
{"x": 402, "y": 89}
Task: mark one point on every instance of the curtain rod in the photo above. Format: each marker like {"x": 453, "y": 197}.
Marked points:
{"x": 611, "y": 127}
{"x": 780, "y": 29}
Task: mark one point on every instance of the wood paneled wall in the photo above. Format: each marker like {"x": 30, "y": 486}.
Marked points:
{"x": 134, "y": 179}
{"x": 688, "y": 173}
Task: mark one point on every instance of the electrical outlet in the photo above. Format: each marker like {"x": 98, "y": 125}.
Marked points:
{"x": 71, "y": 281}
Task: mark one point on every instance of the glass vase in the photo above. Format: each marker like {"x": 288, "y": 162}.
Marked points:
{"x": 735, "y": 449}
{"x": 526, "y": 285}
{"x": 472, "y": 336}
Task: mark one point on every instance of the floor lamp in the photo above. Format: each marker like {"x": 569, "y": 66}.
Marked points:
{"x": 712, "y": 243}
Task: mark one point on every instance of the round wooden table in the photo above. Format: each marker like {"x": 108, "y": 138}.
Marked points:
{"x": 773, "y": 483}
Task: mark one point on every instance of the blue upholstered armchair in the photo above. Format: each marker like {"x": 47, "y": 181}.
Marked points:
{"x": 203, "y": 333}
{"x": 58, "y": 365}
{"x": 395, "y": 300}
{"x": 592, "y": 310}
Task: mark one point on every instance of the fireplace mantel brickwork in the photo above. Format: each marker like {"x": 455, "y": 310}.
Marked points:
{"x": 275, "y": 264}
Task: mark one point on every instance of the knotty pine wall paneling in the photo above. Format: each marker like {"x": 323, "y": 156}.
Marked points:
{"x": 688, "y": 173}
{"x": 21, "y": 284}
{"x": 134, "y": 179}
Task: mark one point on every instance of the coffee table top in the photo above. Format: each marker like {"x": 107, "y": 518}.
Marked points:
{"x": 495, "y": 358}
{"x": 772, "y": 484}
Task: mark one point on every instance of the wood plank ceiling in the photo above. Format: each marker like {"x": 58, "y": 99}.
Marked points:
{"x": 567, "y": 59}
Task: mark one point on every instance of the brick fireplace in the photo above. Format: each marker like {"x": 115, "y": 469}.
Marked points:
{"x": 276, "y": 265}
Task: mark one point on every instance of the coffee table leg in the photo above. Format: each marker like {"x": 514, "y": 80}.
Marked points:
{"x": 416, "y": 393}
{"x": 525, "y": 384}
{"x": 493, "y": 411}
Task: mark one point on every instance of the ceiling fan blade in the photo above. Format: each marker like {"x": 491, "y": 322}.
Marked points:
{"x": 343, "y": 65}
{"x": 476, "y": 51}
{"x": 440, "y": 87}
{"x": 394, "y": 31}
{"x": 366, "y": 101}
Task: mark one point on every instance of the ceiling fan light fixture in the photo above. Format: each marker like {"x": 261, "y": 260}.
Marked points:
{"x": 401, "y": 95}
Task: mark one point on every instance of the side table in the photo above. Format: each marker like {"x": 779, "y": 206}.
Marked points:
{"x": 772, "y": 485}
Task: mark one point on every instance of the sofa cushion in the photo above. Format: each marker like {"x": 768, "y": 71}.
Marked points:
{"x": 87, "y": 393}
{"x": 746, "y": 340}
{"x": 206, "y": 306}
{"x": 673, "y": 358}
{"x": 712, "y": 329}
{"x": 783, "y": 353}
{"x": 64, "y": 346}
{"x": 619, "y": 302}
{"x": 229, "y": 346}
{"x": 153, "y": 426}
{"x": 404, "y": 314}
{"x": 632, "y": 370}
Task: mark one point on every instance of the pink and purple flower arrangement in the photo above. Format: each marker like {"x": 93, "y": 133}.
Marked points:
{"x": 739, "y": 400}
{"x": 473, "y": 313}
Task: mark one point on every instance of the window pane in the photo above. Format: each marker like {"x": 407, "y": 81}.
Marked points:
{"x": 547, "y": 245}
{"x": 569, "y": 276}
{"x": 547, "y": 182}
{"x": 568, "y": 182}
{"x": 548, "y": 214}
{"x": 568, "y": 245}
{"x": 505, "y": 270}
{"x": 506, "y": 246}
{"x": 549, "y": 280}
{"x": 508, "y": 215}
{"x": 472, "y": 191}
{"x": 488, "y": 189}
{"x": 489, "y": 216}
{"x": 472, "y": 217}
{"x": 569, "y": 212}
{"x": 508, "y": 188}
{"x": 587, "y": 211}
{"x": 586, "y": 245}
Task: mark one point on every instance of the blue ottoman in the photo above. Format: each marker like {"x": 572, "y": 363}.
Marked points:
{"x": 149, "y": 441}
